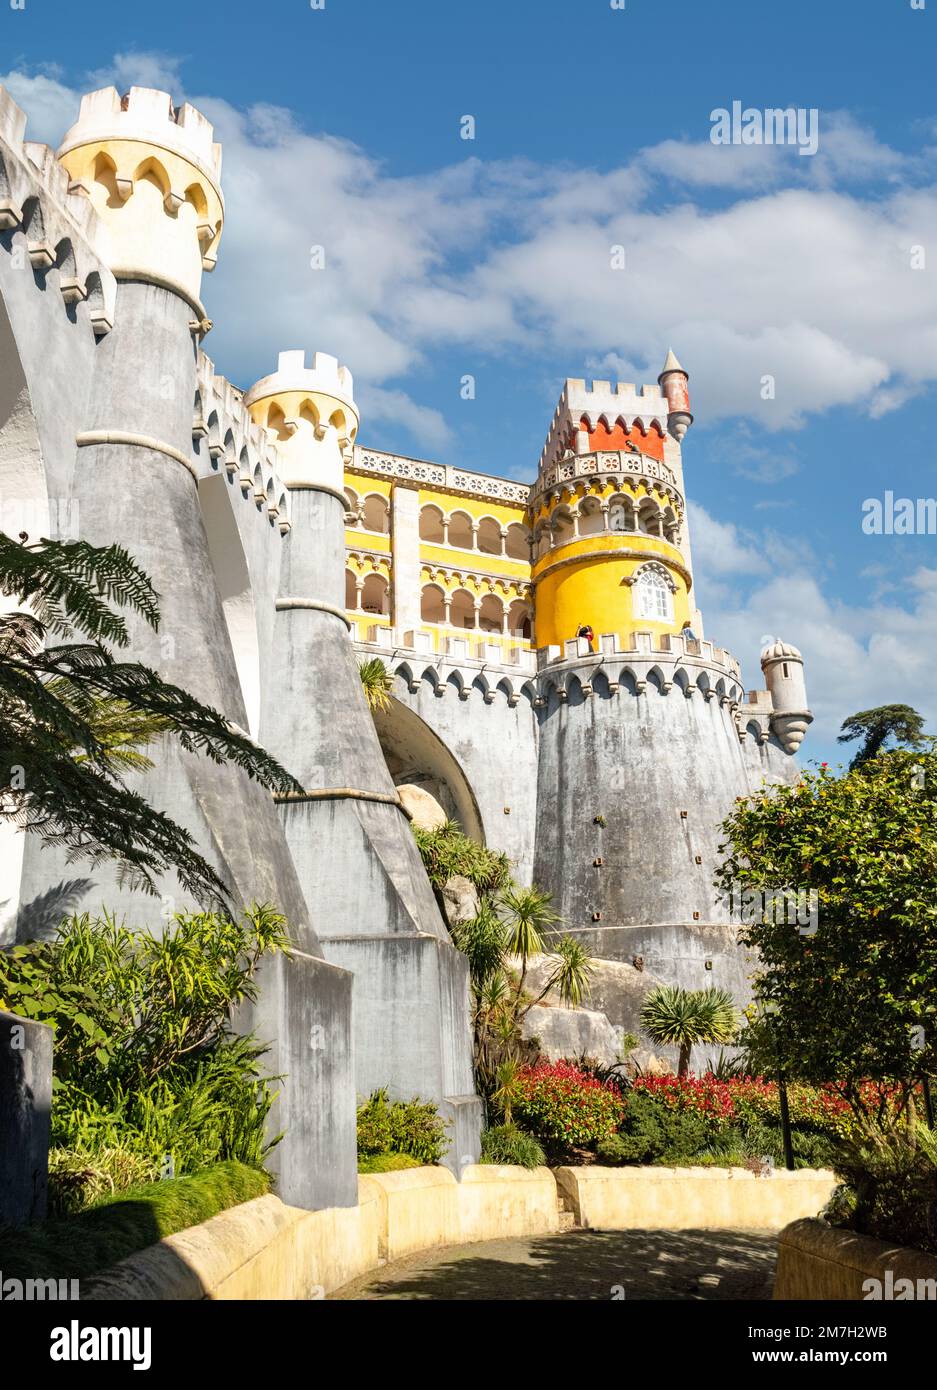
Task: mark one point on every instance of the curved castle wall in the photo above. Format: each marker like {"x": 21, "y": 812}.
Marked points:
{"x": 633, "y": 785}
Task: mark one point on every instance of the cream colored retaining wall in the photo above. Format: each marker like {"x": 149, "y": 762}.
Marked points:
{"x": 265, "y": 1250}
{"x": 692, "y": 1199}
{"x": 816, "y": 1261}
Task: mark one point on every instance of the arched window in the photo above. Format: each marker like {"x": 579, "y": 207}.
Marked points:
{"x": 460, "y": 530}
{"x": 431, "y": 525}
{"x": 351, "y": 592}
{"x": 517, "y": 545}
{"x": 375, "y": 514}
{"x": 432, "y": 604}
{"x": 351, "y": 508}
{"x": 519, "y": 619}
{"x": 489, "y": 536}
{"x": 653, "y": 594}
{"x": 462, "y": 609}
{"x": 619, "y": 516}
{"x": 650, "y": 519}
{"x": 591, "y": 517}
{"x": 491, "y": 614}
{"x": 374, "y": 595}
{"x": 561, "y": 525}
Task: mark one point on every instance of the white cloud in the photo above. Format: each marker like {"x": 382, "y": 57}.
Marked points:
{"x": 799, "y": 273}
{"x": 856, "y": 655}
{"x": 800, "y": 277}
{"x": 50, "y": 106}
{"x": 721, "y": 547}
{"x": 424, "y": 423}
{"x": 125, "y": 70}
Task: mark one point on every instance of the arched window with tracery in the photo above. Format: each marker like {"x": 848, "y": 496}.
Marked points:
{"x": 653, "y": 594}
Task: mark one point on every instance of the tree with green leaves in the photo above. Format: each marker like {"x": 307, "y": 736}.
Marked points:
{"x": 73, "y": 718}
{"x": 850, "y": 997}
{"x": 146, "y": 1055}
{"x": 685, "y": 1018}
{"x": 876, "y": 726}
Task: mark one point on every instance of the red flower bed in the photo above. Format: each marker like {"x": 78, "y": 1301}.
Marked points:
{"x": 754, "y": 1097}
{"x": 562, "y": 1105}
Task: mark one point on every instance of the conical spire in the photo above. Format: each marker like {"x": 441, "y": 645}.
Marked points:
{"x": 671, "y": 365}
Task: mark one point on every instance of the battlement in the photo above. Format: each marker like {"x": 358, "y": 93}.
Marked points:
{"x": 606, "y": 465}
{"x": 645, "y": 644}
{"x": 223, "y": 425}
{"x": 624, "y": 404}
{"x": 130, "y": 154}
{"x": 146, "y": 116}
{"x": 325, "y": 377}
{"x": 62, "y": 230}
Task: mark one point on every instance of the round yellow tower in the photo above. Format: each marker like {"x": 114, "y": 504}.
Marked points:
{"x": 607, "y": 514}
{"x": 152, "y": 171}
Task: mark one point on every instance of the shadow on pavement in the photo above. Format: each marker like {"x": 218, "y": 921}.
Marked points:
{"x": 590, "y": 1265}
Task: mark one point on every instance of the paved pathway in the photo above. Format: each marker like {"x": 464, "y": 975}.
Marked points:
{"x": 584, "y": 1265}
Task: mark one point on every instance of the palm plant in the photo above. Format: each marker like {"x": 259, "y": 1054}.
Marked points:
{"x": 683, "y": 1018}
{"x": 73, "y": 716}
{"x": 377, "y": 683}
{"x": 527, "y": 915}
{"x": 483, "y": 940}
{"x": 513, "y": 926}
{"x": 507, "y": 1074}
{"x": 573, "y": 971}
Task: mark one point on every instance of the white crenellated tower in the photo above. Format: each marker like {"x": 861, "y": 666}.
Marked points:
{"x": 153, "y": 173}
{"x": 312, "y": 415}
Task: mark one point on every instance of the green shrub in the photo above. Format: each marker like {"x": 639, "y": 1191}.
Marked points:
{"x": 890, "y": 1185}
{"x": 202, "y": 1111}
{"x": 145, "y": 1057}
{"x": 510, "y": 1144}
{"x": 79, "y": 1178}
{"x": 614, "y": 1151}
{"x": 386, "y": 1163}
{"x": 448, "y": 851}
{"x": 810, "y": 1148}
{"x": 653, "y": 1133}
{"x": 411, "y": 1127}
{"x": 74, "y": 1247}
{"x": 564, "y": 1108}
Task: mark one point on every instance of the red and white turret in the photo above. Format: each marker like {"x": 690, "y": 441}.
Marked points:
{"x": 673, "y": 384}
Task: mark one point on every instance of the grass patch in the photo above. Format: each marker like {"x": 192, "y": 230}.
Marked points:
{"x": 75, "y": 1247}
{"x": 386, "y": 1163}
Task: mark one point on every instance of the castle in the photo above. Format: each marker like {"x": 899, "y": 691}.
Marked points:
{"x": 284, "y": 553}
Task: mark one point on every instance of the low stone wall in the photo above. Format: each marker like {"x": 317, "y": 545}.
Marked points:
{"x": 692, "y": 1199}
{"x": 265, "y": 1250}
{"x": 819, "y": 1262}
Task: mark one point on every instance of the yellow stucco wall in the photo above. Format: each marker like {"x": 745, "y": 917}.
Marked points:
{"x": 584, "y": 583}
{"x": 580, "y": 582}
{"x": 692, "y": 1199}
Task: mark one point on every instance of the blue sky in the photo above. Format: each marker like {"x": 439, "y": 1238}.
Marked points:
{"x": 341, "y": 128}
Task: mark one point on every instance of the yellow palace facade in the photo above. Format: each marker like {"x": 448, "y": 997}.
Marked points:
{"x": 471, "y": 566}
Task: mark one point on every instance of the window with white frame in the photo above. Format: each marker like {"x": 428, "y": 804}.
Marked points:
{"x": 653, "y": 595}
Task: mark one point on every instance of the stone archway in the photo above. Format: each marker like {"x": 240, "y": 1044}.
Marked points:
{"x": 416, "y": 756}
